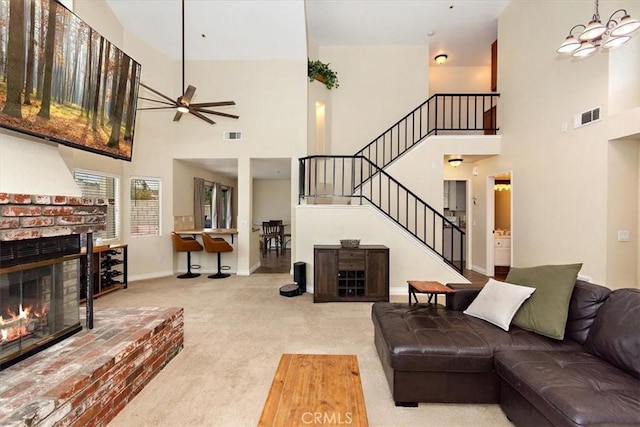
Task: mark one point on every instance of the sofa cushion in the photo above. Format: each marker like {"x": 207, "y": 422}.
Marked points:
{"x": 546, "y": 311}
{"x": 572, "y": 388}
{"x": 586, "y": 300}
{"x": 615, "y": 334}
{"x": 432, "y": 338}
{"x": 498, "y": 302}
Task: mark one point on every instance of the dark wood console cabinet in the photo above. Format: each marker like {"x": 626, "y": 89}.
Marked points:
{"x": 350, "y": 274}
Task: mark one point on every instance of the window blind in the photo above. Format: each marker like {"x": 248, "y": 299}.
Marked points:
{"x": 96, "y": 185}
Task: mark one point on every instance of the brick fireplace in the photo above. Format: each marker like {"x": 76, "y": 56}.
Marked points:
{"x": 31, "y": 216}
{"x": 87, "y": 377}
{"x": 40, "y": 274}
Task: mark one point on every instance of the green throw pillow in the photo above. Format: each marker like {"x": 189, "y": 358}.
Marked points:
{"x": 546, "y": 311}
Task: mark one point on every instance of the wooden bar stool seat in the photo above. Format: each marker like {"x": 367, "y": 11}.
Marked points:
{"x": 188, "y": 245}
{"x": 216, "y": 245}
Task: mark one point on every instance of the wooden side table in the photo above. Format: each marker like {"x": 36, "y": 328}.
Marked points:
{"x": 433, "y": 289}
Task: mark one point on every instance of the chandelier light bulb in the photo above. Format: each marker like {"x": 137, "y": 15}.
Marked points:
{"x": 615, "y": 42}
{"x": 586, "y": 49}
{"x": 183, "y": 109}
{"x": 594, "y": 30}
{"x": 626, "y": 26}
{"x": 569, "y": 45}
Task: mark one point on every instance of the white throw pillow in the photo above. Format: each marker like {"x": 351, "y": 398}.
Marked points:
{"x": 498, "y": 302}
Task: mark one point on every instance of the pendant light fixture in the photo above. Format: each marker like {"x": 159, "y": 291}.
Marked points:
{"x": 596, "y": 34}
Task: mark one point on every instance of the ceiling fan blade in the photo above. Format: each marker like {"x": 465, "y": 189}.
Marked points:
{"x": 213, "y": 104}
{"x": 173, "y": 102}
{"x": 171, "y": 105}
{"x": 200, "y": 116}
{"x": 156, "y": 108}
{"x": 177, "y": 116}
{"x": 217, "y": 113}
{"x": 188, "y": 94}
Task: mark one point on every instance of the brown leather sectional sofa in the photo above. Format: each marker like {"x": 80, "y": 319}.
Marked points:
{"x": 592, "y": 377}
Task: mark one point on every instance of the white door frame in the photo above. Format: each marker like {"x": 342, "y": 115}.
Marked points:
{"x": 490, "y": 226}
{"x": 491, "y": 221}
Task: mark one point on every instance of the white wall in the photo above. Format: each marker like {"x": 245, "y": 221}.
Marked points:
{"x": 448, "y": 79}
{"x": 29, "y": 165}
{"x": 378, "y": 86}
{"x": 271, "y": 200}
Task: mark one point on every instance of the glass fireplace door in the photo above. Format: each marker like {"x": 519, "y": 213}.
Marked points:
{"x": 38, "y": 306}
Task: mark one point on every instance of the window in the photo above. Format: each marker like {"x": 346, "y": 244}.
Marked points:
{"x": 100, "y": 185}
{"x": 145, "y": 206}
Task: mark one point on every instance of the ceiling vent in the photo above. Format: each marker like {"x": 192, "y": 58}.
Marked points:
{"x": 232, "y": 135}
{"x": 587, "y": 117}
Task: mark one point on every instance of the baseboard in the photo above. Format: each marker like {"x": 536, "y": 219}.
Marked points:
{"x": 399, "y": 290}
{"x": 480, "y": 270}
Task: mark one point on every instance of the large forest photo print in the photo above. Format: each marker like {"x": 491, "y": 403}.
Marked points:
{"x": 61, "y": 80}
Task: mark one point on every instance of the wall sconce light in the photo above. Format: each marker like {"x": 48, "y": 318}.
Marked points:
{"x": 455, "y": 161}
{"x": 441, "y": 59}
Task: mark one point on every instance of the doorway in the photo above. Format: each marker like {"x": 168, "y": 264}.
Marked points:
{"x": 499, "y": 247}
{"x": 457, "y": 209}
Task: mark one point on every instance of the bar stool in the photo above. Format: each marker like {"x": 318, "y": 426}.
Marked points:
{"x": 216, "y": 245}
{"x": 188, "y": 245}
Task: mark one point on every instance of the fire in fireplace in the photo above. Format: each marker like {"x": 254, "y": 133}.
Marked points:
{"x": 39, "y": 300}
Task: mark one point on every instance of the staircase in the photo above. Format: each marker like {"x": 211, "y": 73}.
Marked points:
{"x": 362, "y": 177}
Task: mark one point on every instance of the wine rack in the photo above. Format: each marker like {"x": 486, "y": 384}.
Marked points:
{"x": 109, "y": 270}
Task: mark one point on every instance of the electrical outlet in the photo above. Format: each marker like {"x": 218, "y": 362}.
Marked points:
{"x": 623, "y": 235}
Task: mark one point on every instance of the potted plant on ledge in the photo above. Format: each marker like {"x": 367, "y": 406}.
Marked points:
{"x": 318, "y": 70}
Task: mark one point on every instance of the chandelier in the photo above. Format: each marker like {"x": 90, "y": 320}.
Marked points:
{"x": 596, "y": 34}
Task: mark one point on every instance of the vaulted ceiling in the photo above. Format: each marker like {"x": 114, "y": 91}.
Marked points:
{"x": 278, "y": 29}
{"x": 263, "y": 29}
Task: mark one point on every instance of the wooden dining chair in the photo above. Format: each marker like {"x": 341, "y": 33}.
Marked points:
{"x": 270, "y": 237}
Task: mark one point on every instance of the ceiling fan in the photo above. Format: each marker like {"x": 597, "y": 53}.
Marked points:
{"x": 183, "y": 103}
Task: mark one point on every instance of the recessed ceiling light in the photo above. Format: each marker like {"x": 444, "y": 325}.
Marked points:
{"x": 431, "y": 33}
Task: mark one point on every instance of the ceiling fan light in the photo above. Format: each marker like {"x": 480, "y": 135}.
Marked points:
{"x": 183, "y": 109}
{"x": 569, "y": 45}
{"x": 586, "y": 49}
{"x": 615, "y": 42}
{"x": 626, "y": 26}
{"x": 594, "y": 30}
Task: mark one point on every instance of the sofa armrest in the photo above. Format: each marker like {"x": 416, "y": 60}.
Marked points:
{"x": 464, "y": 295}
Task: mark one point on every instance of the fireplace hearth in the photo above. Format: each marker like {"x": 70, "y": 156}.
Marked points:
{"x": 39, "y": 299}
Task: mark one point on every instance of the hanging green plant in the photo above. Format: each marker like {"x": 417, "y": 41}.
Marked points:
{"x": 318, "y": 70}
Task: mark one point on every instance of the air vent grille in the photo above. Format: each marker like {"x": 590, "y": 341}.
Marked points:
{"x": 587, "y": 117}
{"x": 235, "y": 135}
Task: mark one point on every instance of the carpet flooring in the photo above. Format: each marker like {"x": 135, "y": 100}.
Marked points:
{"x": 235, "y": 332}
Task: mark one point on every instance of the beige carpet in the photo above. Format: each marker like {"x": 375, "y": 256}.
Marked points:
{"x": 235, "y": 331}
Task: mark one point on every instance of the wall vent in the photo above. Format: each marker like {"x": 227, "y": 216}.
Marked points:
{"x": 232, "y": 135}
{"x": 589, "y": 116}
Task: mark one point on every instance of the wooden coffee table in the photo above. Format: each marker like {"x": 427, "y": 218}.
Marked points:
{"x": 430, "y": 288}
{"x": 315, "y": 389}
